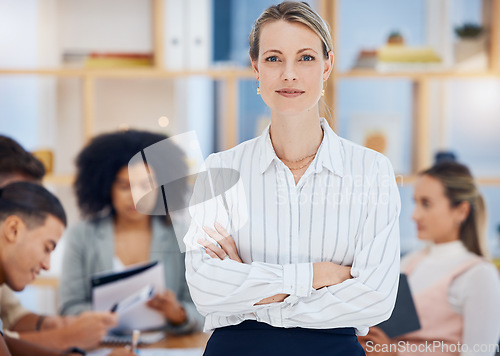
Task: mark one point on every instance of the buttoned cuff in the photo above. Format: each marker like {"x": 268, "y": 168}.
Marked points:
{"x": 297, "y": 279}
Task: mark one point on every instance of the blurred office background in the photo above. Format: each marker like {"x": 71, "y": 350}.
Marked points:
{"x": 72, "y": 69}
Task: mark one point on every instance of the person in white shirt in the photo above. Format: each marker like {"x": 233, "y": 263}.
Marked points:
{"x": 455, "y": 289}
{"x": 293, "y": 246}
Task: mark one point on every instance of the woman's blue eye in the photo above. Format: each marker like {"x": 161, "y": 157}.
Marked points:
{"x": 307, "y": 58}
{"x": 272, "y": 59}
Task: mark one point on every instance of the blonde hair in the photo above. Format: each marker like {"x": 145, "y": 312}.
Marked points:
{"x": 459, "y": 186}
{"x": 291, "y": 11}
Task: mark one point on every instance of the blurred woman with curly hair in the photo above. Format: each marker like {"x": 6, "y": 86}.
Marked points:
{"x": 114, "y": 234}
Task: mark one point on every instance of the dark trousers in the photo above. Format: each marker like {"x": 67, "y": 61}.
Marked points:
{"x": 253, "y": 338}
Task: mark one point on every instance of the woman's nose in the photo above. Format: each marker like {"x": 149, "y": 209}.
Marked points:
{"x": 289, "y": 74}
{"x": 416, "y": 214}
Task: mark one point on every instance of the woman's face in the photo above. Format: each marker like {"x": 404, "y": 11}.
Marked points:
{"x": 436, "y": 219}
{"x": 121, "y": 192}
{"x": 291, "y": 67}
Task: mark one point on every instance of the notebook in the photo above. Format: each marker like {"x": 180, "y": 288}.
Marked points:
{"x": 145, "y": 338}
{"x": 127, "y": 293}
{"x": 404, "y": 318}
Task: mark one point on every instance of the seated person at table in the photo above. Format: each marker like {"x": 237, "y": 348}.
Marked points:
{"x": 32, "y": 221}
{"x": 16, "y": 164}
{"x": 455, "y": 289}
{"x": 115, "y": 235}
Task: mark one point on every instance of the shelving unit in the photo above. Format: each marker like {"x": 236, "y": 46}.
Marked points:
{"x": 88, "y": 79}
{"x": 421, "y": 157}
{"x": 231, "y": 76}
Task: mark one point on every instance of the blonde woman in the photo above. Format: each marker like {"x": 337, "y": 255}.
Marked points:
{"x": 302, "y": 252}
{"x": 455, "y": 289}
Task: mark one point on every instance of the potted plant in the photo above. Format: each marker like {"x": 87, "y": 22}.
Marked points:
{"x": 470, "y": 49}
{"x": 395, "y": 38}
{"x": 468, "y": 30}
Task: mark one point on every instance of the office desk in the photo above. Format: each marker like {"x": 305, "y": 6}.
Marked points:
{"x": 198, "y": 340}
{"x": 180, "y": 341}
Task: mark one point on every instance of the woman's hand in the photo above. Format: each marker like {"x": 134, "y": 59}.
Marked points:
{"x": 278, "y": 298}
{"x": 167, "y": 304}
{"x": 327, "y": 274}
{"x": 227, "y": 246}
{"x": 376, "y": 343}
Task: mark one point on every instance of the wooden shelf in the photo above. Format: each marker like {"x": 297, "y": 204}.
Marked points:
{"x": 329, "y": 10}
{"x": 230, "y": 73}
{"x": 482, "y": 181}
{"x": 59, "y": 179}
{"x": 46, "y": 281}
{"x": 362, "y": 74}
{"x": 146, "y": 72}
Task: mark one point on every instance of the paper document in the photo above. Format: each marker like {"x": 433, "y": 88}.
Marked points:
{"x": 146, "y": 338}
{"x": 142, "y": 295}
{"x": 127, "y": 292}
{"x": 153, "y": 352}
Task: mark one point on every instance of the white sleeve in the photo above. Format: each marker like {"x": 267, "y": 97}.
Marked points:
{"x": 480, "y": 309}
{"x": 369, "y": 297}
{"x": 228, "y": 287}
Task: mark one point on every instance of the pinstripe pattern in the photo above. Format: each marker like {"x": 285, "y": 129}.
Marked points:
{"x": 344, "y": 209}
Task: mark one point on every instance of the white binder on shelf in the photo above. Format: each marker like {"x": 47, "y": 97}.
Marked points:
{"x": 199, "y": 34}
{"x": 175, "y": 34}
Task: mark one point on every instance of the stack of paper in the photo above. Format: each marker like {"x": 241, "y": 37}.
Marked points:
{"x": 118, "y": 60}
{"x": 407, "y": 58}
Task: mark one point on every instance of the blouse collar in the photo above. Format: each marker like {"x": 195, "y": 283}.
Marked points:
{"x": 446, "y": 249}
{"x": 330, "y": 153}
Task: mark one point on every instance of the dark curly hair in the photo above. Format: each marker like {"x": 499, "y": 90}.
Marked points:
{"x": 101, "y": 160}
{"x": 15, "y": 159}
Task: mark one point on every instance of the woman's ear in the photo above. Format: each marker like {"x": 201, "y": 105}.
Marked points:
{"x": 463, "y": 211}
{"x": 12, "y": 227}
{"x": 255, "y": 68}
{"x": 328, "y": 66}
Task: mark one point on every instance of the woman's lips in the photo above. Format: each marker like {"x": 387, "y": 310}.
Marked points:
{"x": 290, "y": 92}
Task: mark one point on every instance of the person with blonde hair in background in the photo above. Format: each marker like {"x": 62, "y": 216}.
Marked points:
{"x": 456, "y": 290}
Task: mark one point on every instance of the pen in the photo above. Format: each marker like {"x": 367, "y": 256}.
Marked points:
{"x": 136, "y": 334}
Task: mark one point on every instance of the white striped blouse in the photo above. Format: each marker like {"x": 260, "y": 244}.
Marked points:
{"x": 344, "y": 209}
